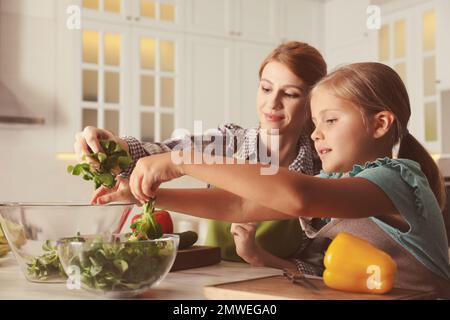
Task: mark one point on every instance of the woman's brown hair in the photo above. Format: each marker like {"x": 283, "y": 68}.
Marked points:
{"x": 376, "y": 87}
{"x": 306, "y": 63}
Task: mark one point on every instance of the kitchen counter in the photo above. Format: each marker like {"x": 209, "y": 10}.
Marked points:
{"x": 183, "y": 285}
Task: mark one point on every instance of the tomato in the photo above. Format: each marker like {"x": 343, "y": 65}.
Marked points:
{"x": 162, "y": 217}
{"x": 165, "y": 220}
{"x": 133, "y": 220}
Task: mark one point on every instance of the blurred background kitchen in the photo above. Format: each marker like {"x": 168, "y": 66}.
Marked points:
{"x": 144, "y": 68}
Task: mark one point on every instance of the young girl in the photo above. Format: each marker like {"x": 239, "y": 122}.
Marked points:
{"x": 360, "y": 113}
{"x": 286, "y": 78}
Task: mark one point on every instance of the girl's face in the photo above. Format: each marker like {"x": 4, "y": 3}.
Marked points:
{"x": 280, "y": 99}
{"x": 341, "y": 136}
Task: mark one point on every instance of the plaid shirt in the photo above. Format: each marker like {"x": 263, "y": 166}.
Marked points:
{"x": 243, "y": 144}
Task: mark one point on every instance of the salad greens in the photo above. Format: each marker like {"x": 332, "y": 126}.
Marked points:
{"x": 106, "y": 165}
{"x": 47, "y": 265}
{"x": 118, "y": 266}
{"x": 146, "y": 227}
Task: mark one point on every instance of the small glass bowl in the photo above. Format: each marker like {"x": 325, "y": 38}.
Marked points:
{"x": 117, "y": 268}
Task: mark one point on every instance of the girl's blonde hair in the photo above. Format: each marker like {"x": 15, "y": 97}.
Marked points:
{"x": 375, "y": 87}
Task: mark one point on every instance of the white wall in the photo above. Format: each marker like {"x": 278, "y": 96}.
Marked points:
{"x": 30, "y": 171}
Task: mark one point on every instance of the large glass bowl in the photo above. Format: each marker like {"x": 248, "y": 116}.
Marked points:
{"x": 32, "y": 230}
{"x": 115, "y": 267}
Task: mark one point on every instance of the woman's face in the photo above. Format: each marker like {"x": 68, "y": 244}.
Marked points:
{"x": 281, "y": 99}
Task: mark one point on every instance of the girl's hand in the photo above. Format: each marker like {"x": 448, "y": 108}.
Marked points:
{"x": 87, "y": 141}
{"x": 244, "y": 238}
{"x": 120, "y": 192}
{"x": 150, "y": 172}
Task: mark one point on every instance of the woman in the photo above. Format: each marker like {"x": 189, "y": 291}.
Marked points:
{"x": 286, "y": 77}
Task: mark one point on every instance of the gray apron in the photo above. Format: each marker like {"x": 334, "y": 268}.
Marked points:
{"x": 411, "y": 273}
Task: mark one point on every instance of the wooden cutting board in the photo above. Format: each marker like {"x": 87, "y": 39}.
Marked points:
{"x": 280, "y": 288}
{"x": 196, "y": 257}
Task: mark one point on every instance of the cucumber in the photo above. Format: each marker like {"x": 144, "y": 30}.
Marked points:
{"x": 187, "y": 239}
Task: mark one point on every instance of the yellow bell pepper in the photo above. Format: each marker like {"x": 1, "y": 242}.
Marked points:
{"x": 355, "y": 265}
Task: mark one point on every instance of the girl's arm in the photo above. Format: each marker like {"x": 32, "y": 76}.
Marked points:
{"x": 290, "y": 193}
{"x": 295, "y": 194}
{"x": 214, "y": 204}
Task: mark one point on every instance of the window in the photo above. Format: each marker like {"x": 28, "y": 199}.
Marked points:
{"x": 156, "y": 75}
{"x": 109, "y": 6}
{"x": 429, "y": 75}
{"x": 157, "y": 10}
{"x": 415, "y": 29}
{"x": 101, "y": 79}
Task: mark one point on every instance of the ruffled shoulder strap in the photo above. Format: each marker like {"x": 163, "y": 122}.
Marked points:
{"x": 408, "y": 170}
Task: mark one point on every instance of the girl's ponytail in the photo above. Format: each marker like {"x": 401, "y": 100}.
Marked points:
{"x": 410, "y": 148}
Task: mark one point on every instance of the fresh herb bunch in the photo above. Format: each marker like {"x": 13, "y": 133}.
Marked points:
{"x": 47, "y": 265}
{"x": 106, "y": 166}
{"x": 146, "y": 227}
{"x": 119, "y": 266}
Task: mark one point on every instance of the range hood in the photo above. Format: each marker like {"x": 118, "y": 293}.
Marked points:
{"x": 21, "y": 120}
{"x": 12, "y": 112}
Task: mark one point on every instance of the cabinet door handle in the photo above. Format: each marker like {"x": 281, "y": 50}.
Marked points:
{"x": 129, "y": 18}
{"x": 137, "y": 19}
{"x": 232, "y": 33}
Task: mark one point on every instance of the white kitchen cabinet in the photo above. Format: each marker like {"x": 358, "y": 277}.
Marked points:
{"x": 303, "y": 20}
{"x": 209, "y": 80}
{"x": 414, "y": 42}
{"x": 353, "y": 13}
{"x": 351, "y": 41}
{"x": 222, "y": 79}
{"x": 162, "y": 14}
{"x": 249, "y": 58}
{"x": 157, "y": 106}
{"x": 118, "y": 75}
{"x": 443, "y": 44}
{"x": 105, "y": 10}
{"x": 255, "y": 20}
{"x": 258, "y": 20}
{"x": 215, "y": 48}
{"x": 210, "y": 17}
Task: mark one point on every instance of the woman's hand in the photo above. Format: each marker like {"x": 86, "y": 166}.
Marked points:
{"x": 246, "y": 247}
{"x": 150, "y": 172}
{"x": 88, "y": 141}
{"x": 120, "y": 192}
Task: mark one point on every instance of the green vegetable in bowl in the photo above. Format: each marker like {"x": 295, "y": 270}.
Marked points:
{"x": 118, "y": 266}
{"x": 146, "y": 227}
{"x": 47, "y": 265}
{"x": 105, "y": 165}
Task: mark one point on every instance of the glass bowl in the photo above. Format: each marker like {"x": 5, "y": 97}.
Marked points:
{"x": 32, "y": 230}
{"x": 114, "y": 267}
